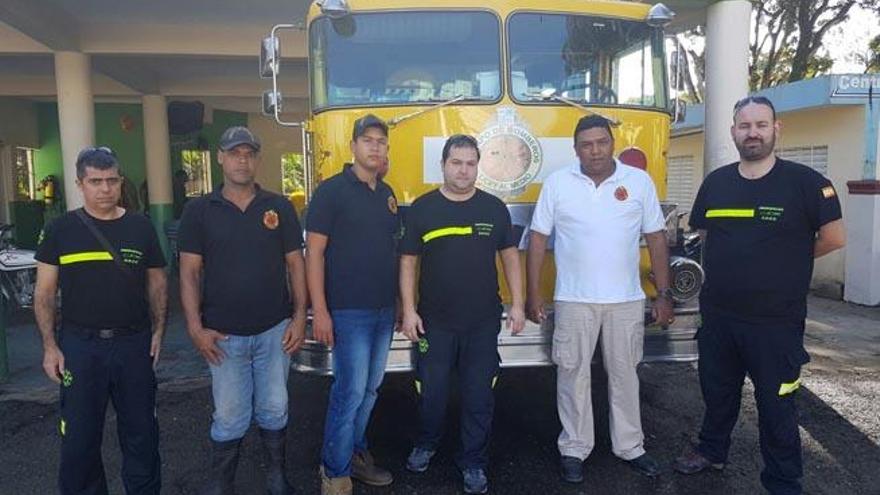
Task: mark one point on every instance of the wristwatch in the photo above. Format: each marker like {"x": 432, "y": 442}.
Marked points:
{"x": 665, "y": 293}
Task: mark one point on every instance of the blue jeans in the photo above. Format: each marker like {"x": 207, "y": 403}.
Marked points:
{"x": 250, "y": 382}
{"x": 362, "y": 340}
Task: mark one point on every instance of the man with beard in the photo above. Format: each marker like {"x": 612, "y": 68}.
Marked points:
{"x": 763, "y": 220}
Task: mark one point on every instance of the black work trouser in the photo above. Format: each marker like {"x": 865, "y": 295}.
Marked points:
{"x": 118, "y": 369}
{"x": 772, "y": 356}
{"x": 473, "y": 353}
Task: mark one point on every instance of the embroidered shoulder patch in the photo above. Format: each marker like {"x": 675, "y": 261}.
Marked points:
{"x": 828, "y": 192}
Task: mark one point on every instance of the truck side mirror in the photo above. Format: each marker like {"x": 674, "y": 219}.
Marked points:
{"x": 270, "y": 56}
{"x": 271, "y": 103}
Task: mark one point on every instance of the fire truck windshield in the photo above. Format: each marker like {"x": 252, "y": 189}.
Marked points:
{"x": 400, "y": 58}
{"x": 586, "y": 59}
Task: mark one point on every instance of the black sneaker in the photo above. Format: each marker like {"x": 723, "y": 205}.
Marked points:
{"x": 692, "y": 462}
{"x": 475, "y": 481}
{"x": 645, "y": 465}
{"x": 572, "y": 469}
{"x": 419, "y": 459}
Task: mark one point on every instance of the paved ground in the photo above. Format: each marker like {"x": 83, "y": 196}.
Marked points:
{"x": 839, "y": 418}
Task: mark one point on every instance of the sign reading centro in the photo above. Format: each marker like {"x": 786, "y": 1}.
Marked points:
{"x": 855, "y": 86}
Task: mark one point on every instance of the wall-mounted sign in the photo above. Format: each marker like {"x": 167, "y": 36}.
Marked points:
{"x": 855, "y": 86}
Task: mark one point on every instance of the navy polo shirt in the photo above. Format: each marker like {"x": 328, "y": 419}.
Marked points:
{"x": 362, "y": 229}
{"x": 244, "y": 282}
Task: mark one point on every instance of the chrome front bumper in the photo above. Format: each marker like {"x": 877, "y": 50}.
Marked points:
{"x": 531, "y": 348}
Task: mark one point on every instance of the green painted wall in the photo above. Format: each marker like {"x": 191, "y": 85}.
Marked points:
{"x": 117, "y": 125}
{"x": 111, "y": 122}
{"x": 47, "y": 160}
{"x": 128, "y": 142}
{"x": 121, "y": 127}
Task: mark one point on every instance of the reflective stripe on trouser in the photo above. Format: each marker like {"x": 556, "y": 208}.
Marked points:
{"x": 578, "y": 328}
{"x": 473, "y": 354}
{"x": 772, "y": 356}
{"x": 99, "y": 371}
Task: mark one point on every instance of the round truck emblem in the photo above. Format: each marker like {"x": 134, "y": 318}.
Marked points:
{"x": 511, "y": 156}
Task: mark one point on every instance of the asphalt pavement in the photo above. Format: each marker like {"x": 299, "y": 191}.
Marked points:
{"x": 839, "y": 399}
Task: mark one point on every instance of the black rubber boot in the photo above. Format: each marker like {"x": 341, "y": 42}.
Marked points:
{"x": 273, "y": 443}
{"x": 224, "y": 460}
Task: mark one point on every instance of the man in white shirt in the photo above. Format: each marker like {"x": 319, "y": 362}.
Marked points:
{"x": 598, "y": 210}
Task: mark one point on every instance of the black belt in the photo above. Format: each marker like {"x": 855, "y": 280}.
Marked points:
{"x": 106, "y": 333}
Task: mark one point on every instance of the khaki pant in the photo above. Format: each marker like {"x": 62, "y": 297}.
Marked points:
{"x": 574, "y": 339}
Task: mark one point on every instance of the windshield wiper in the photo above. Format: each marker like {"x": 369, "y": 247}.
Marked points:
{"x": 440, "y": 102}
{"x": 550, "y": 94}
{"x": 438, "y": 99}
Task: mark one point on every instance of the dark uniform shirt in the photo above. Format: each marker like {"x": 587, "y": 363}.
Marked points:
{"x": 758, "y": 254}
{"x": 362, "y": 229}
{"x": 244, "y": 286}
{"x": 457, "y": 242}
{"x": 95, "y": 292}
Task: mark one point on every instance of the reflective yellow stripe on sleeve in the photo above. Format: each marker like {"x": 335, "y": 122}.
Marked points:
{"x": 85, "y": 256}
{"x": 787, "y": 388}
{"x": 447, "y": 231}
{"x": 730, "y": 213}
{"x": 418, "y": 387}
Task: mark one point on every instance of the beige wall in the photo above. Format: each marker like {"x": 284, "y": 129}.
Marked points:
{"x": 276, "y": 140}
{"x": 18, "y": 123}
{"x": 842, "y": 130}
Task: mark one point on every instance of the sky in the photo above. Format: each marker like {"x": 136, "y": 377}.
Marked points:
{"x": 843, "y": 41}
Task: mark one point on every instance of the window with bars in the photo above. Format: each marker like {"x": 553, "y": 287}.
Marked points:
{"x": 815, "y": 157}
{"x": 24, "y": 187}
{"x": 197, "y": 165}
{"x": 680, "y": 187}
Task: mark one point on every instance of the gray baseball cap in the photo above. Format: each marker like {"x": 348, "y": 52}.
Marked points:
{"x": 369, "y": 120}
{"x": 237, "y": 135}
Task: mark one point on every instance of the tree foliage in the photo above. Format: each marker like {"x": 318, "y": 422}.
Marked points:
{"x": 292, "y": 173}
{"x": 785, "y": 44}
{"x": 788, "y": 35}
{"x": 871, "y": 58}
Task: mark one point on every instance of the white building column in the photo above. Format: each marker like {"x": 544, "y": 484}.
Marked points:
{"x": 76, "y": 115}
{"x": 158, "y": 163}
{"x": 862, "y": 284}
{"x": 727, "y": 76}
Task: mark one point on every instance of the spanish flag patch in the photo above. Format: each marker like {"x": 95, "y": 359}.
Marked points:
{"x": 828, "y": 192}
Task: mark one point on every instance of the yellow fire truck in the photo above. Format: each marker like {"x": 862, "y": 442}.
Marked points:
{"x": 516, "y": 74}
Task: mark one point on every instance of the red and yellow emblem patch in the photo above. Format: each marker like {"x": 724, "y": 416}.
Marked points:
{"x": 392, "y": 204}
{"x": 270, "y": 219}
{"x": 828, "y": 192}
{"x": 621, "y": 193}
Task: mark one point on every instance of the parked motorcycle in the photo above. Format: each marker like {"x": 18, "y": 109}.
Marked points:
{"x": 18, "y": 273}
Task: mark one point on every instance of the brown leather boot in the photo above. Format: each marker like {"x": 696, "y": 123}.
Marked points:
{"x": 334, "y": 486}
{"x": 224, "y": 460}
{"x": 365, "y": 470}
